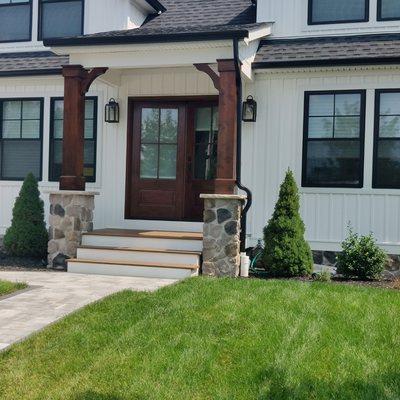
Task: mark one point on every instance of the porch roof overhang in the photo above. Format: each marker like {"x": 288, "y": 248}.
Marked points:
{"x": 180, "y": 51}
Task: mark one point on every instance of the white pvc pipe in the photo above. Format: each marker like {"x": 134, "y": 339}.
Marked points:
{"x": 244, "y": 265}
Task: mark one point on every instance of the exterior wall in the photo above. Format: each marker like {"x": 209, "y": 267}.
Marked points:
{"x": 99, "y": 16}
{"x": 45, "y": 87}
{"x": 274, "y": 143}
{"x": 290, "y": 17}
{"x": 111, "y": 138}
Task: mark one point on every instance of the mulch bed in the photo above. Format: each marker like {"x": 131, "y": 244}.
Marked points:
{"x": 11, "y": 263}
{"x": 385, "y": 283}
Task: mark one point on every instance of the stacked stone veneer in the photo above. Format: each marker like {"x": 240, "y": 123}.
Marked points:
{"x": 71, "y": 214}
{"x": 328, "y": 258}
{"x": 221, "y": 242}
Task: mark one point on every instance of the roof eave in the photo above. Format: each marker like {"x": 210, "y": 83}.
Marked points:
{"x": 326, "y": 63}
{"x": 174, "y": 37}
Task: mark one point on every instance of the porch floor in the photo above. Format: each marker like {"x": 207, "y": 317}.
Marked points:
{"x": 147, "y": 234}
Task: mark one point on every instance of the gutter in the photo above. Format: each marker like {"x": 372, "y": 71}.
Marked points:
{"x": 149, "y": 38}
{"x": 239, "y": 184}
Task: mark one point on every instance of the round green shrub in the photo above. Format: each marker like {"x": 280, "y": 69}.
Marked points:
{"x": 27, "y": 235}
{"x": 287, "y": 253}
{"x": 361, "y": 258}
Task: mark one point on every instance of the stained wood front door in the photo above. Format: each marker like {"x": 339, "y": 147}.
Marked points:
{"x": 171, "y": 158}
{"x": 156, "y": 158}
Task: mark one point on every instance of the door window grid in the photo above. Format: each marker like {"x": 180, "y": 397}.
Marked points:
{"x": 159, "y": 143}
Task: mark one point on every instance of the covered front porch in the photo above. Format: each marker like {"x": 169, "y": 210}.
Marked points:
{"x": 177, "y": 134}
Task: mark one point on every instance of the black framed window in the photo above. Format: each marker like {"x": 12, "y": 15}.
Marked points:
{"x": 386, "y": 168}
{"x": 333, "y": 144}
{"x": 15, "y": 20}
{"x": 59, "y": 18}
{"x": 21, "y": 135}
{"x": 388, "y": 10}
{"x": 337, "y": 11}
{"x": 56, "y": 138}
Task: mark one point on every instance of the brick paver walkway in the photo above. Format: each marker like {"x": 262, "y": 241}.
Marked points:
{"x": 52, "y": 295}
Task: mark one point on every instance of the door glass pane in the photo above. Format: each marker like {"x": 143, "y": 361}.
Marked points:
{"x": 168, "y": 155}
{"x": 169, "y": 126}
{"x": 203, "y": 119}
{"x": 149, "y": 161}
{"x": 150, "y": 125}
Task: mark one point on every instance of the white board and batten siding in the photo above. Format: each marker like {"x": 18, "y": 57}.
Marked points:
{"x": 290, "y": 20}
{"x": 274, "y": 143}
{"x": 47, "y": 88}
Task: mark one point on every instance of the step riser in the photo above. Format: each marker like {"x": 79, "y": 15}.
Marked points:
{"x": 137, "y": 256}
{"x": 131, "y": 271}
{"x": 145, "y": 243}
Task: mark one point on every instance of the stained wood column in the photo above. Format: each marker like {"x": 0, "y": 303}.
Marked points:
{"x": 227, "y": 136}
{"x": 77, "y": 81}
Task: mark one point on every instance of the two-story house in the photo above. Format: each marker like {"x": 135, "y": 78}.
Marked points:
{"x": 325, "y": 76}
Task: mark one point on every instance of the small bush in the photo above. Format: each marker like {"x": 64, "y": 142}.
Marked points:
{"x": 27, "y": 236}
{"x": 287, "y": 253}
{"x": 361, "y": 258}
{"x": 323, "y": 276}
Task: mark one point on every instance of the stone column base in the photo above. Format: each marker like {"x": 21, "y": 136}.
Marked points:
{"x": 71, "y": 214}
{"x": 221, "y": 242}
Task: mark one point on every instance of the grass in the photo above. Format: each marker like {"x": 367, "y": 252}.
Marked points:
{"x": 7, "y": 287}
{"x": 217, "y": 339}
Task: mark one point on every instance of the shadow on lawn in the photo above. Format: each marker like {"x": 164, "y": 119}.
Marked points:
{"x": 275, "y": 387}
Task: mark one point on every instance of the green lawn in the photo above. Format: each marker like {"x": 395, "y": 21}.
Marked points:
{"x": 217, "y": 339}
{"x": 9, "y": 287}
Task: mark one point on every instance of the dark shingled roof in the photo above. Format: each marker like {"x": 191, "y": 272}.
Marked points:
{"x": 182, "y": 20}
{"x": 338, "y": 50}
{"x": 31, "y": 63}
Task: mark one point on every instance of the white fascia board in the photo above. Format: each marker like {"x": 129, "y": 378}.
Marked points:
{"x": 148, "y": 55}
{"x": 143, "y": 6}
{"x": 260, "y": 32}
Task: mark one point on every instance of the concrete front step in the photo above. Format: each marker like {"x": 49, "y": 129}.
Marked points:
{"x": 183, "y": 241}
{"x": 144, "y": 270}
{"x": 137, "y": 255}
